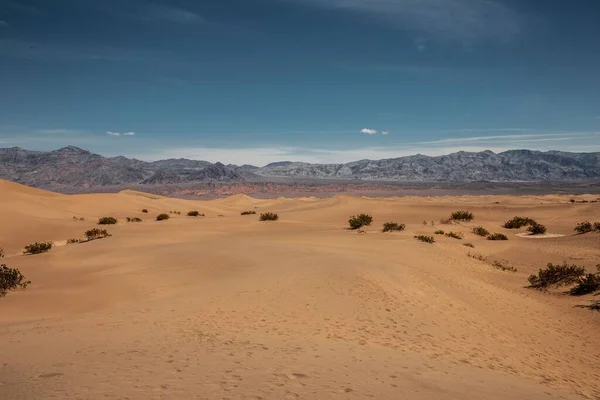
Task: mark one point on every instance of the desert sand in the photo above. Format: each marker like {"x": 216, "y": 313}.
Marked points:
{"x": 301, "y": 308}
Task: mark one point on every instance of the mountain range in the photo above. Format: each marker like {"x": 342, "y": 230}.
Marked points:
{"x": 72, "y": 167}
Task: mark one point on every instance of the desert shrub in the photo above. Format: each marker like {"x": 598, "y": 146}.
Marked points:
{"x": 518, "y": 222}
{"x": 96, "y": 233}
{"x": 73, "y": 241}
{"x": 248, "y": 213}
{"x": 11, "y": 279}
{"x": 107, "y": 221}
{"x": 134, "y": 219}
{"x": 480, "y": 231}
{"x": 503, "y": 265}
{"x": 590, "y": 283}
{"x": 462, "y": 216}
{"x": 393, "y": 226}
{"x": 597, "y": 226}
{"x": 175, "y": 212}
{"x": 497, "y": 236}
{"x": 269, "y": 216}
{"x": 193, "y": 213}
{"x": 476, "y": 256}
{"x": 1, "y": 252}
{"x": 446, "y": 221}
{"x": 454, "y": 235}
{"x": 556, "y": 275}
{"x": 162, "y": 217}
{"x": 469, "y": 245}
{"x": 536, "y": 229}
{"x": 439, "y": 232}
{"x": 145, "y": 211}
{"x": 426, "y": 239}
{"x": 583, "y": 227}
{"x": 425, "y": 223}
{"x": 37, "y": 248}
{"x": 360, "y": 220}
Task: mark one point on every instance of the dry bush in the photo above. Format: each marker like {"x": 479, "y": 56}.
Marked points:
{"x": 162, "y": 217}
{"x": 248, "y": 213}
{"x": 454, "y": 235}
{"x": 536, "y": 229}
{"x": 497, "y": 236}
{"x": 145, "y": 211}
{"x": 193, "y": 213}
{"x": 1, "y": 252}
{"x": 439, "y": 232}
{"x": 269, "y": 216}
{"x": 481, "y": 231}
{"x": 476, "y": 256}
{"x": 425, "y": 239}
{"x": 584, "y": 227}
{"x": 96, "y": 233}
{"x": 446, "y": 221}
{"x": 73, "y": 241}
{"x": 503, "y": 265}
{"x": 37, "y": 248}
{"x": 11, "y": 279}
{"x": 518, "y": 222}
{"x": 469, "y": 245}
{"x": 107, "y": 221}
{"x": 462, "y": 216}
{"x": 597, "y": 226}
{"x": 393, "y": 226}
{"x": 556, "y": 275}
{"x": 134, "y": 219}
{"x": 360, "y": 220}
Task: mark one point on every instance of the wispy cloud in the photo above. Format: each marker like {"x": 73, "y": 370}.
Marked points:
{"x": 368, "y": 131}
{"x": 385, "y": 133}
{"x": 61, "y": 131}
{"x": 468, "y": 21}
{"x": 111, "y": 133}
{"x": 510, "y": 139}
{"x": 129, "y": 134}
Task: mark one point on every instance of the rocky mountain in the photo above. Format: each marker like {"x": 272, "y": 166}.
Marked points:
{"x": 72, "y": 167}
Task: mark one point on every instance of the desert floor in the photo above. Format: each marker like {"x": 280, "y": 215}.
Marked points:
{"x": 232, "y": 308}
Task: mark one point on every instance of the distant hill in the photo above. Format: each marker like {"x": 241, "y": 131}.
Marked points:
{"x": 72, "y": 167}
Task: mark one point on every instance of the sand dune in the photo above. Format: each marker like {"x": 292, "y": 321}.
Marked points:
{"x": 233, "y": 308}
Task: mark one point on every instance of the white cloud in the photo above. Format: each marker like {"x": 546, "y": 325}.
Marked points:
{"x": 385, "y": 133}
{"x": 368, "y": 131}
{"x": 113, "y": 133}
{"x": 129, "y": 134}
{"x": 120, "y": 134}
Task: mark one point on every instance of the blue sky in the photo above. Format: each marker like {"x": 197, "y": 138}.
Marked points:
{"x": 256, "y": 81}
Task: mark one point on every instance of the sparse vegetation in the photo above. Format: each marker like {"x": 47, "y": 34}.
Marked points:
{"x": 503, "y": 265}
{"x": 393, "y": 226}
{"x": 497, "y": 236}
{"x": 518, "y": 222}
{"x": 425, "y": 223}
{"x": 96, "y": 233}
{"x": 481, "y": 231}
{"x": 269, "y": 216}
{"x": 107, "y": 221}
{"x": 162, "y": 217}
{"x": 454, "y": 235}
{"x": 38, "y": 248}
{"x": 589, "y": 283}
{"x": 476, "y": 256}
{"x": 426, "y": 239}
{"x": 73, "y": 241}
{"x": 446, "y": 221}
{"x": 11, "y": 279}
{"x": 248, "y": 213}
{"x": 557, "y": 275}
{"x": 175, "y": 212}
{"x": 439, "y": 232}
{"x": 134, "y": 219}
{"x": 78, "y": 218}
{"x": 469, "y": 245}
{"x": 360, "y": 220}
{"x": 536, "y": 229}
{"x": 1, "y": 252}
{"x": 584, "y": 227}
{"x": 145, "y": 211}
{"x": 462, "y": 216}
{"x": 597, "y": 226}
{"x": 193, "y": 213}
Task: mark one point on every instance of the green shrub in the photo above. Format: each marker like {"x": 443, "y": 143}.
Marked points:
{"x": 439, "y": 232}
{"x": 518, "y": 222}
{"x": 193, "y": 213}
{"x": 134, "y": 219}
{"x": 107, "y": 221}
{"x": 462, "y": 216}
{"x": 145, "y": 211}
{"x": 497, "y": 236}
{"x": 393, "y": 226}
{"x": 481, "y": 231}
{"x": 454, "y": 235}
{"x": 469, "y": 245}
{"x": 360, "y": 220}
{"x": 536, "y": 229}
{"x": 162, "y": 217}
{"x": 37, "y": 248}
{"x": 11, "y": 279}
{"x": 583, "y": 227}
{"x": 556, "y": 275}
{"x": 248, "y": 213}
{"x": 426, "y": 239}
{"x": 96, "y": 233}
{"x": 269, "y": 216}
